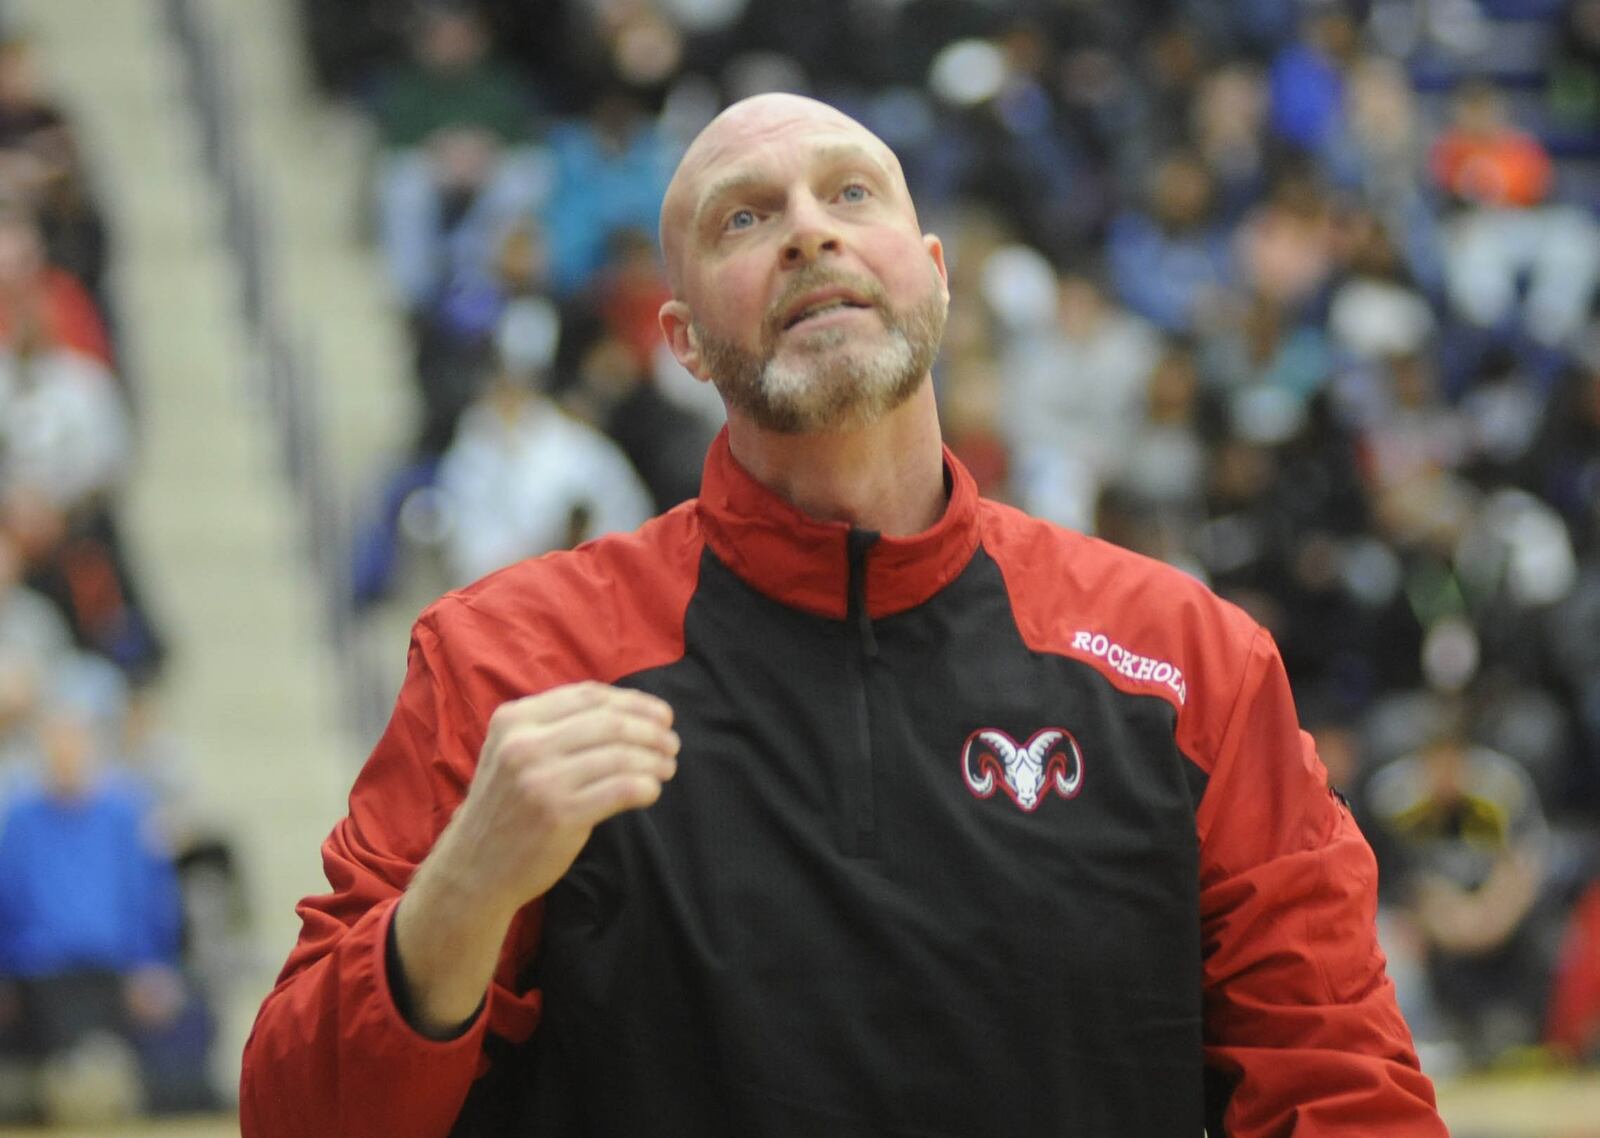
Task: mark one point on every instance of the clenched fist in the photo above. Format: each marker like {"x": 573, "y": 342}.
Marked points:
{"x": 553, "y": 766}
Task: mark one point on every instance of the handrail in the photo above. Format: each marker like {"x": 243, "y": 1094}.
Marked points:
{"x": 283, "y": 374}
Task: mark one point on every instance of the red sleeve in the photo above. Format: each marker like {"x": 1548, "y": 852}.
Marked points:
{"x": 330, "y": 1052}
{"x": 1299, "y": 1012}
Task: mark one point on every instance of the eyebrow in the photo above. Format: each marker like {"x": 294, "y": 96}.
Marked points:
{"x": 835, "y": 154}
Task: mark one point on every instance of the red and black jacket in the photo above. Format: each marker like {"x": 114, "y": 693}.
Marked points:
{"x": 842, "y": 918}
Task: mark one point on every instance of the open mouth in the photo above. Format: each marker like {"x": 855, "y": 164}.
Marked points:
{"x": 822, "y": 308}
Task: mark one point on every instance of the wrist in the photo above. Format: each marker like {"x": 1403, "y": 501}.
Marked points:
{"x": 447, "y": 938}
{"x": 405, "y": 1002}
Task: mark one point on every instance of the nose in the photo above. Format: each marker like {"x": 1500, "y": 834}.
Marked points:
{"x": 811, "y": 233}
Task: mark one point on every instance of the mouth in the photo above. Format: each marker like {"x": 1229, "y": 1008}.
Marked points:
{"x": 819, "y": 305}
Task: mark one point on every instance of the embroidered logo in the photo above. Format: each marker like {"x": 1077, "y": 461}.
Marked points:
{"x": 1050, "y": 762}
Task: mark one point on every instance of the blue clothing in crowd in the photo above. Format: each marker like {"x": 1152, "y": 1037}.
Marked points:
{"x": 1163, "y": 276}
{"x": 84, "y": 884}
{"x": 1307, "y": 94}
{"x": 600, "y": 189}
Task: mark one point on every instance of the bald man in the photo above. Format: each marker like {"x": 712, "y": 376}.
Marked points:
{"x": 838, "y": 801}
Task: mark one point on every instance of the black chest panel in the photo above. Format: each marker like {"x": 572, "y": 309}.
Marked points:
{"x": 821, "y": 929}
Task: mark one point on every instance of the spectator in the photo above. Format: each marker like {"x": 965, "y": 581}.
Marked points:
{"x": 1379, "y": 154}
{"x": 1172, "y": 264}
{"x": 1162, "y": 470}
{"x": 663, "y": 440}
{"x": 89, "y": 922}
{"x": 457, "y": 169}
{"x": 611, "y": 170}
{"x": 65, "y": 432}
{"x": 33, "y": 290}
{"x": 1376, "y": 309}
{"x": 1286, "y": 243}
{"x": 1464, "y": 843}
{"x": 1007, "y": 143}
{"x": 75, "y": 234}
{"x": 1506, "y": 226}
{"x": 522, "y": 477}
{"x": 23, "y": 106}
{"x": 1414, "y": 451}
{"x": 1308, "y": 77}
{"x": 629, "y": 292}
{"x": 1268, "y": 367}
{"x": 66, "y": 443}
{"x": 453, "y": 337}
{"x": 1229, "y": 124}
{"x": 40, "y": 165}
{"x": 1074, "y": 391}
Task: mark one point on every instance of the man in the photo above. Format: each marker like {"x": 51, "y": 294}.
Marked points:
{"x": 837, "y": 802}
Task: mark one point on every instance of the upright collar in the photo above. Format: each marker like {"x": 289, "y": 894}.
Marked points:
{"x": 805, "y": 563}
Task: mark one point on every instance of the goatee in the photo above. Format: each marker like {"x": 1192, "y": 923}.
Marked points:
{"x": 834, "y": 379}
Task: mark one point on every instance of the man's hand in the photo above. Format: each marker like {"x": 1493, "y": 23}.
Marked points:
{"x": 553, "y": 766}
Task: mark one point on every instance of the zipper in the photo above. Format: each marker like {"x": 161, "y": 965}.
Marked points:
{"x": 862, "y": 650}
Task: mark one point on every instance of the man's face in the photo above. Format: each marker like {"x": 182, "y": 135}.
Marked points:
{"x": 804, "y": 288}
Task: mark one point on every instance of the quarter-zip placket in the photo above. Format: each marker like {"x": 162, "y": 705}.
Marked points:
{"x": 862, "y": 651}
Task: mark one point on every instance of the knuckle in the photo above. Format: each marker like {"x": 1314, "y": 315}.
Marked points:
{"x": 638, "y": 790}
{"x": 509, "y": 751}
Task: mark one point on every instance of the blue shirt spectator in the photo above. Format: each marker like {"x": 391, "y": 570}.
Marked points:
{"x": 1172, "y": 263}
{"x": 611, "y": 174}
{"x": 86, "y": 883}
{"x": 82, "y": 884}
{"x": 1307, "y": 80}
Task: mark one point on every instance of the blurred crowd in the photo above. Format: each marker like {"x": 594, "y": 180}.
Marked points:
{"x": 1298, "y": 296}
{"x": 114, "y": 899}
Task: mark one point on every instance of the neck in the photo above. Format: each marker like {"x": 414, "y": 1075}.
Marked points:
{"x": 887, "y": 477}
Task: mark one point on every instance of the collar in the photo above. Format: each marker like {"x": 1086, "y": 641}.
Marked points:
{"x": 804, "y": 563}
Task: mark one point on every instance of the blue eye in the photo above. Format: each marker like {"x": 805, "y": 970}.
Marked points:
{"x": 854, "y": 192}
{"x": 741, "y": 219}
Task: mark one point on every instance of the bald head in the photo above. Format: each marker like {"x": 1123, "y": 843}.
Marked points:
{"x": 713, "y": 159}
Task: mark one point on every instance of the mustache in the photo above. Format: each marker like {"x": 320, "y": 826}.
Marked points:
{"x": 811, "y": 279}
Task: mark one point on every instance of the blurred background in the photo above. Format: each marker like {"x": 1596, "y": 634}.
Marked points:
{"x": 313, "y": 309}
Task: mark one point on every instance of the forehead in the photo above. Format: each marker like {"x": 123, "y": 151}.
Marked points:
{"x": 773, "y": 148}
{"x": 754, "y": 170}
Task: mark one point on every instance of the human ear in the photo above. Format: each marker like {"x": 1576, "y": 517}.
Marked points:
{"x": 677, "y": 326}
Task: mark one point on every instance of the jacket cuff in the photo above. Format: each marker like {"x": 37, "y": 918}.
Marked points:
{"x": 396, "y": 998}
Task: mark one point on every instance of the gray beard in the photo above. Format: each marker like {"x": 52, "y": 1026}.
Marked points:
{"x": 833, "y": 380}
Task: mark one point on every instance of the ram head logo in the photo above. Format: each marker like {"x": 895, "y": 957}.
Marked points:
{"x": 1049, "y": 762}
